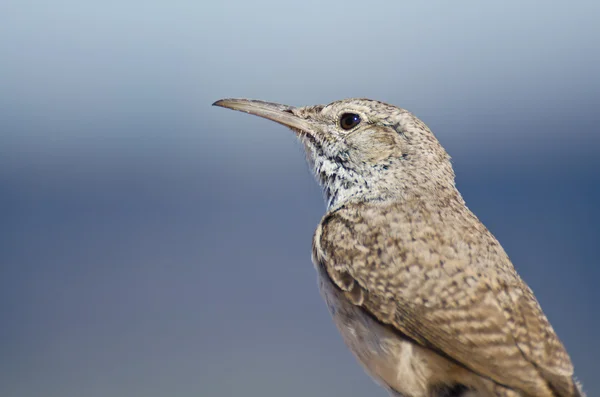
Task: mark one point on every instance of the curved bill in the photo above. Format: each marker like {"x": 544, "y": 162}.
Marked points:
{"x": 279, "y": 113}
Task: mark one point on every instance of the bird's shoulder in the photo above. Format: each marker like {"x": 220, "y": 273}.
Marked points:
{"x": 404, "y": 242}
{"x": 438, "y": 276}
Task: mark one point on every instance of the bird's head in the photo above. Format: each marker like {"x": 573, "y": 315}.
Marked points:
{"x": 361, "y": 149}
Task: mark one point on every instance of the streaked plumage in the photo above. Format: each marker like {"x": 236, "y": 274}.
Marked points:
{"x": 421, "y": 291}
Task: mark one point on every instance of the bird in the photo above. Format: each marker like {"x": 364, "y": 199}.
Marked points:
{"x": 421, "y": 291}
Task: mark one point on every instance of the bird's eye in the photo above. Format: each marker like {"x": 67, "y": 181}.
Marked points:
{"x": 349, "y": 120}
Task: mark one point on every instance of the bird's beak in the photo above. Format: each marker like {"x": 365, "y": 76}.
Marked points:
{"x": 281, "y": 114}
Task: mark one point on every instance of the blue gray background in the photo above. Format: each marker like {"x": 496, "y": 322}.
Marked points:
{"x": 153, "y": 245}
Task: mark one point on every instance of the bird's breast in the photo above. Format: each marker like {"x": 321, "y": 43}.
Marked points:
{"x": 393, "y": 361}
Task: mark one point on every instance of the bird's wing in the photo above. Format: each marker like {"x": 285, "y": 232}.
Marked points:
{"x": 489, "y": 322}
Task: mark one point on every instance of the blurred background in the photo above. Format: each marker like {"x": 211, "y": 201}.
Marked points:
{"x": 153, "y": 245}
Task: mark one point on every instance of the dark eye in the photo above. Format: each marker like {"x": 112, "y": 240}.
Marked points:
{"x": 349, "y": 120}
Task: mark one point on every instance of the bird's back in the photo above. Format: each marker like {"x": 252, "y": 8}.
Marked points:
{"x": 435, "y": 275}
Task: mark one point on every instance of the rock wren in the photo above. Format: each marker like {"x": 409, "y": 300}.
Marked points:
{"x": 422, "y": 293}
